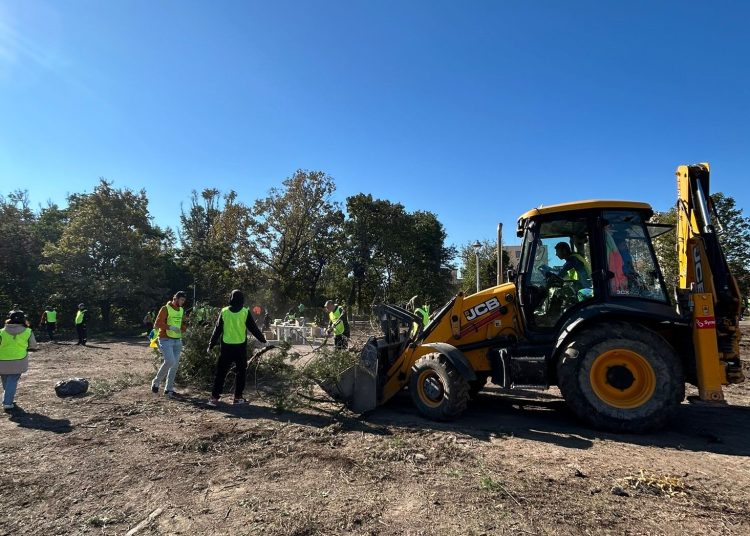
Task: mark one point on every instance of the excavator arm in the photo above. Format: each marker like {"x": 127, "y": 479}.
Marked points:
{"x": 707, "y": 285}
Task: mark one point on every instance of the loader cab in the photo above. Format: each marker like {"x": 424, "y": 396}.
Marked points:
{"x": 576, "y": 256}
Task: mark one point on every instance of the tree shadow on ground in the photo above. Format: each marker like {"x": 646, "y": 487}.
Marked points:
{"x": 318, "y": 417}
{"x": 37, "y": 421}
{"x": 536, "y": 416}
{"x": 546, "y": 418}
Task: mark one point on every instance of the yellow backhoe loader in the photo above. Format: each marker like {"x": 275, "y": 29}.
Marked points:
{"x": 588, "y": 311}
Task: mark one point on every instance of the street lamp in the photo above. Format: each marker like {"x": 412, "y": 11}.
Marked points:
{"x": 477, "y": 246}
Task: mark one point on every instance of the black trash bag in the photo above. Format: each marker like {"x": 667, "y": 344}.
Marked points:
{"x": 71, "y": 387}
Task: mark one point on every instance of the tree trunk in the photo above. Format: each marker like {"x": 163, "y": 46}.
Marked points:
{"x": 106, "y": 308}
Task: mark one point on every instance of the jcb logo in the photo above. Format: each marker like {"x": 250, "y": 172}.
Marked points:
{"x": 482, "y": 309}
{"x": 698, "y": 269}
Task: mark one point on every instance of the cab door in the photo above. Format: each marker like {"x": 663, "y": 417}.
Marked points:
{"x": 556, "y": 276}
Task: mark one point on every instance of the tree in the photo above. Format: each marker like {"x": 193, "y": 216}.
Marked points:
{"x": 734, "y": 237}
{"x": 20, "y": 252}
{"x": 295, "y": 234}
{"x": 108, "y": 253}
{"x": 393, "y": 255}
{"x": 487, "y": 266}
{"x": 214, "y": 237}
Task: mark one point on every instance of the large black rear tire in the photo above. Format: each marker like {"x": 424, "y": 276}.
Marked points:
{"x": 438, "y": 390}
{"x": 621, "y": 377}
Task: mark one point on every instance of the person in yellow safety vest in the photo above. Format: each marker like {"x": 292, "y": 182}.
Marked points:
{"x": 424, "y": 312}
{"x": 338, "y": 324}
{"x": 15, "y": 341}
{"x": 49, "y": 320}
{"x": 230, "y": 332}
{"x": 170, "y": 321}
{"x": 81, "y": 321}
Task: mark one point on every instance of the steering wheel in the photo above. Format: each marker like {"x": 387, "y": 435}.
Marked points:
{"x": 553, "y": 280}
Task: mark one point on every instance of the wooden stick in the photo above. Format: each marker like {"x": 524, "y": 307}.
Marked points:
{"x": 145, "y": 523}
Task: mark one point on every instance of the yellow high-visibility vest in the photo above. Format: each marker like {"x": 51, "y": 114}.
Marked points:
{"x": 174, "y": 318}
{"x": 235, "y": 329}
{"x": 13, "y": 347}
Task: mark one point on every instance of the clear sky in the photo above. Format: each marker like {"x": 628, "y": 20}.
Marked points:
{"x": 475, "y": 110}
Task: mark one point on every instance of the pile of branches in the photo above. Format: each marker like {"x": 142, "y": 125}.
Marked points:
{"x": 284, "y": 376}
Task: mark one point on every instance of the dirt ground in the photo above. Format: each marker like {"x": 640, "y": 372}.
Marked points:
{"x": 123, "y": 459}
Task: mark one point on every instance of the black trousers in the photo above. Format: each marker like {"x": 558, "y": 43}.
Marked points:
{"x": 51, "y": 326}
{"x": 231, "y": 353}
{"x": 81, "y": 330}
{"x": 341, "y": 342}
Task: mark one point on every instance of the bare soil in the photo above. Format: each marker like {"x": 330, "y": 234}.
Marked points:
{"x": 122, "y": 458}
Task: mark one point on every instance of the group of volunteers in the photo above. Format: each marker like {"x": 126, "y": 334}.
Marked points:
{"x": 49, "y": 321}
{"x": 229, "y": 333}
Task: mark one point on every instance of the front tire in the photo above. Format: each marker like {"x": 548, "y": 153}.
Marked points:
{"x": 621, "y": 378}
{"x": 438, "y": 390}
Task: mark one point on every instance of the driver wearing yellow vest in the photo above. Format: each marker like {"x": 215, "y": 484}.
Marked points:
{"x": 576, "y": 268}
{"x": 231, "y": 329}
{"x": 170, "y": 321}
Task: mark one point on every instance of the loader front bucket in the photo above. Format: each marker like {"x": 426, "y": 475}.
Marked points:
{"x": 357, "y": 386}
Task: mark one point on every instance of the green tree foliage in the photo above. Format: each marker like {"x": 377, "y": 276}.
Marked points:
{"x": 487, "y": 266}
{"x": 734, "y": 238}
{"x": 20, "y": 252}
{"x": 393, "y": 255}
{"x": 665, "y": 247}
{"x": 213, "y": 233}
{"x": 295, "y": 234}
{"x": 108, "y": 253}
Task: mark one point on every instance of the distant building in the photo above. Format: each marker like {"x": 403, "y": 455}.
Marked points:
{"x": 514, "y": 254}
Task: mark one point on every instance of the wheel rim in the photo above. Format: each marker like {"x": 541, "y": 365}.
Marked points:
{"x": 623, "y": 378}
{"x": 430, "y": 388}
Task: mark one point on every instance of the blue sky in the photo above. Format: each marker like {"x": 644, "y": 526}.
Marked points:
{"x": 476, "y": 111}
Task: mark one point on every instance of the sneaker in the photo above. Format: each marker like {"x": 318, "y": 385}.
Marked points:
{"x": 170, "y": 394}
{"x": 155, "y": 389}
{"x": 7, "y": 407}
{"x": 239, "y": 402}
{"x": 213, "y": 402}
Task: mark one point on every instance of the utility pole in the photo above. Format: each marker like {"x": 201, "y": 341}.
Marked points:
{"x": 477, "y": 246}
{"x": 499, "y": 253}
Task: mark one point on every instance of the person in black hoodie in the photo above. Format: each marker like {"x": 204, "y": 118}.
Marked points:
{"x": 231, "y": 330}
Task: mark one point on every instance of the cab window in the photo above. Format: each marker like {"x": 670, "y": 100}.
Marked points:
{"x": 560, "y": 275}
{"x": 631, "y": 265}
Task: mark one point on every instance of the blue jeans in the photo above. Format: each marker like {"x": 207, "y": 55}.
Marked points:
{"x": 170, "y": 351}
{"x": 10, "y": 382}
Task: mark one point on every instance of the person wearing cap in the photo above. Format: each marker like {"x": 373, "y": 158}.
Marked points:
{"x": 81, "y": 321}
{"x": 170, "y": 321}
{"x": 15, "y": 341}
{"x": 230, "y": 332}
{"x": 338, "y": 324}
{"x": 49, "y": 320}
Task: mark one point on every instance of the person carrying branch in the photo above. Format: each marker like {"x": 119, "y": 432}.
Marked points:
{"x": 230, "y": 332}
